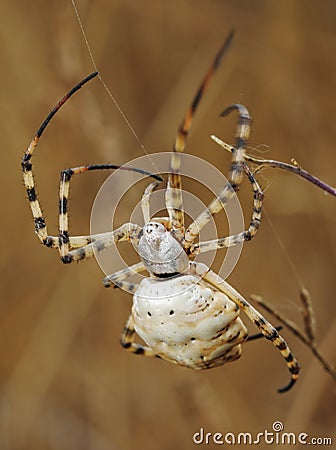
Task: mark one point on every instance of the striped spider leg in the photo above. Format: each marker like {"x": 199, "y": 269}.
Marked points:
{"x": 72, "y": 248}
{"x": 238, "y": 167}
{"x": 174, "y": 187}
{"x": 129, "y": 334}
{"x": 266, "y": 328}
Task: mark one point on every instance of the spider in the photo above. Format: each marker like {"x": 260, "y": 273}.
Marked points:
{"x": 184, "y": 312}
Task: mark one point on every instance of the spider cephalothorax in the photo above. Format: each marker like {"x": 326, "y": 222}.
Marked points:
{"x": 184, "y": 312}
{"x": 161, "y": 253}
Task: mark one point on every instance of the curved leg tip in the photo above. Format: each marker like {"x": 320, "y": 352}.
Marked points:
{"x": 289, "y": 386}
{"x": 243, "y": 111}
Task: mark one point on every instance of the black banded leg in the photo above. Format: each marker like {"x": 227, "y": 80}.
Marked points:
{"x": 118, "y": 278}
{"x": 264, "y": 326}
{"x": 242, "y": 135}
{"x": 127, "y": 341}
{"x": 229, "y": 241}
{"x": 254, "y": 337}
{"x": 73, "y": 242}
{"x": 76, "y": 242}
{"x": 127, "y": 232}
{"x": 258, "y": 199}
{"x": 66, "y": 175}
{"x": 27, "y": 168}
{"x": 174, "y": 189}
{"x": 235, "y": 176}
{"x": 28, "y": 179}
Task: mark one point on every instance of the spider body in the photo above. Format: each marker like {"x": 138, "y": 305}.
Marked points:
{"x": 180, "y": 317}
{"x": 185, "y": 321}
{"x": 183, "y": 311}
{"x": 161, "y": 253}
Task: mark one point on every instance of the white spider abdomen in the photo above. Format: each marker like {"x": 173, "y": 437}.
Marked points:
{"x": 185, "y": 321}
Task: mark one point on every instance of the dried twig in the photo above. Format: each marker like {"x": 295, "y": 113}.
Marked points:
{"x": 295, "y": 167}
{"x": 308, "y": 314}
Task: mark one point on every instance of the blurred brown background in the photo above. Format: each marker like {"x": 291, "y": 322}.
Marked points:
{"x": 65, "y": 381}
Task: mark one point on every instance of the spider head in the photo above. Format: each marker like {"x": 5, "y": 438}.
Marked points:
{"x": 160, "y": 252}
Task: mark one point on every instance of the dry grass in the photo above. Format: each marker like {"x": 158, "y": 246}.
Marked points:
{"x": 65, "y": 381}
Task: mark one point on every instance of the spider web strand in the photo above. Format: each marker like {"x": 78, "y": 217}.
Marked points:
{"x": 114, "y": 100}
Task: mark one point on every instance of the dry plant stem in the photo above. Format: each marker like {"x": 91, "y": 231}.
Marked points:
{"x": 295, "y": 330}
{"x": 308, "y": 314}
{"x": 303, "y": 413}
{"x": 295, "y": 168}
